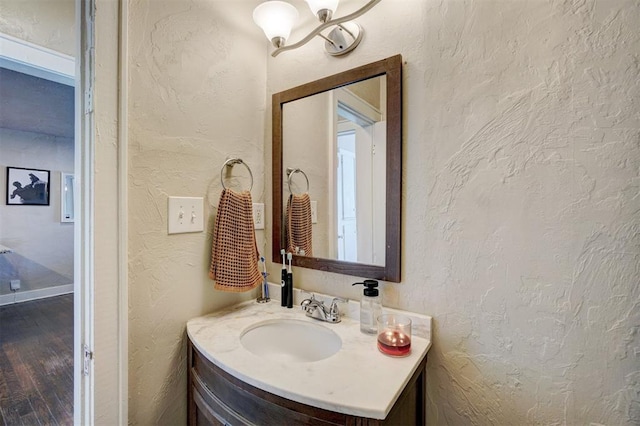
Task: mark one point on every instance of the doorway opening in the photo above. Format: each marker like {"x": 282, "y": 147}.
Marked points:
{"x": 45, "y": 312}
{"x": 360, "y": 153}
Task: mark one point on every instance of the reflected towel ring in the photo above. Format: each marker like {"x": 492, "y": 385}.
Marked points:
{"x": 232, "y": 162}
{"x": 290, "y": 172}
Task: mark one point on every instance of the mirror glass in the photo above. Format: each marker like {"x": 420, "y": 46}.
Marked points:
{"x": 334, "y": 149}
{"x": 337, "y": 172}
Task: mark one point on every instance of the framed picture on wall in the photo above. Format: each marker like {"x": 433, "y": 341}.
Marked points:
{"x": 27, "y": 187}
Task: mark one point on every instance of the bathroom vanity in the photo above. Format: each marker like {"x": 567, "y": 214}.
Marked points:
{"x": 356, "y": 385}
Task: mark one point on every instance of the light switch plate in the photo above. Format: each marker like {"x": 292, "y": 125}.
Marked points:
{"x": 314, "y": 212}
{"x": 186, "y": 214}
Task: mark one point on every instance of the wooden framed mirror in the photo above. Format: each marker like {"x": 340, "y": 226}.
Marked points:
{"x": 339, "y": 139}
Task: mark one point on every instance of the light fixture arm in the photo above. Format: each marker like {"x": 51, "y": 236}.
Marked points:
{"x": 321, "y": 27}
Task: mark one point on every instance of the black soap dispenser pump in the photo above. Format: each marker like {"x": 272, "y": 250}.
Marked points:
{"x": 370, "y": 307}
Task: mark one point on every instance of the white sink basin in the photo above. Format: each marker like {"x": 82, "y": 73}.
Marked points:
{"x": 290, "y": 340}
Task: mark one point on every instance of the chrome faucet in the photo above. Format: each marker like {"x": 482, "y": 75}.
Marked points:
{"x": 315, "y": 308}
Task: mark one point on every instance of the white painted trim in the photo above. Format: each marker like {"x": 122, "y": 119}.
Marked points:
{"x": 123, "y": 246}
{"x": 84, "y": 386}
{"x": 25, "y": 296}
{"x": 28, "y": 58}
{"x": 357, "y": 105}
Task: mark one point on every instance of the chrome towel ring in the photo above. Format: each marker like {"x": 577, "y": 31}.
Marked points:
{"x": 232, "y": 162}
{"x": 290, "y": 172}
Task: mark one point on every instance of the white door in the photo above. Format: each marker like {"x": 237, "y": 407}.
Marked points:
{"x": 346, "y": 197}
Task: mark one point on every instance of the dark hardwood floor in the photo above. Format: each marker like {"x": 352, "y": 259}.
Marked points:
{"x": 36, "y": 362}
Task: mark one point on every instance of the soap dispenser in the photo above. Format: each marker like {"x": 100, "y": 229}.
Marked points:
{"x": 370, "y": 307}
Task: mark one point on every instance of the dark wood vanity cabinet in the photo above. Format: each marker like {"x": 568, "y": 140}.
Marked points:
{"x": 218, "y": 398}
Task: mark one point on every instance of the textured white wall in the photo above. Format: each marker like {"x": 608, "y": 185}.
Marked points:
{"x": 49, "y": 23}
{"x": 520, "y": 201}
{"x": 33, "y": 231}
{"x": 196, "y": 96}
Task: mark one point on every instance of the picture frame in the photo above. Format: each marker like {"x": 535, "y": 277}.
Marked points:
{"x": 27, "y": 187}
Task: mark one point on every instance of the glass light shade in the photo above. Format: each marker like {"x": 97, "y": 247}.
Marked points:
{"x": 317, "y": 5}
{"x": 276, "y": 18}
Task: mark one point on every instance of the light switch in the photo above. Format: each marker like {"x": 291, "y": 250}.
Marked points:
{"x": 186, "y": 214}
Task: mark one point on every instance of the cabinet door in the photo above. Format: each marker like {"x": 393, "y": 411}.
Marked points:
{"x": 209, "y": 410}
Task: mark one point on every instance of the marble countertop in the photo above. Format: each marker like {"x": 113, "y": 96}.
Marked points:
{"x": 357, "y": 380}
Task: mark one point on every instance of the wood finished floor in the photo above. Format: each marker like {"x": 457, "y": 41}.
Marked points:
{"x": 36, "y": 362}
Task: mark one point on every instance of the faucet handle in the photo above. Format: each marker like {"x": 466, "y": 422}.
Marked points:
{"x": 334, "y": 305}
{"x": 306, "y": 302}
{"x": 312, "y": 297}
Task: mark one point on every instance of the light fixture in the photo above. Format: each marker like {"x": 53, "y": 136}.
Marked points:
{"x": 276, "y": 18}
{"x": 323, "y": 9}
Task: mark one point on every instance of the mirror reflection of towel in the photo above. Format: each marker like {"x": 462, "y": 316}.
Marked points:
{"x": 234, "y": 253}
{"x": 299, "y": 236}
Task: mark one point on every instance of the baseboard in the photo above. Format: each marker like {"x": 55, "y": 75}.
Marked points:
{"x": 25, "y": 296}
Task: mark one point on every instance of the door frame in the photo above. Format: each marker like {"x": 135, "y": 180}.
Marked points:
{"x": 102, "y": 49}
{"x": 101, "y": 28}
{"x": 83, "y": 378}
